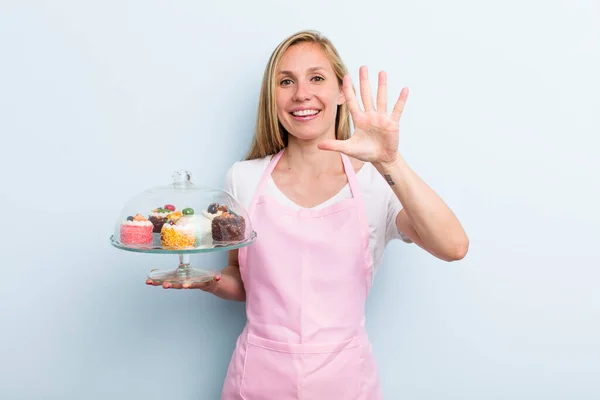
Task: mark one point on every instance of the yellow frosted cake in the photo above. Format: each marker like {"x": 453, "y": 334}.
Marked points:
{"x": 178, "y": 232}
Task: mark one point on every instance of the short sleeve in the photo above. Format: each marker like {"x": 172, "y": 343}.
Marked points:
{"x": 230, "y": 181}
{"x": 394, "y": 207}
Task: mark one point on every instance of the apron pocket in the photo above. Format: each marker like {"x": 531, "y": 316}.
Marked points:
{"x": 335, "y": 374}
{"x": 302, "y": 371}
{"x": 270, "y": 372}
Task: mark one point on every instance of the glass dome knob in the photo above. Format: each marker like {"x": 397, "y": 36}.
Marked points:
{"x": 182, "y": 178}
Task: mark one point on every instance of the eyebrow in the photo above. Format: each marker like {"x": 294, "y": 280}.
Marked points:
{"x": 312, "y": 69}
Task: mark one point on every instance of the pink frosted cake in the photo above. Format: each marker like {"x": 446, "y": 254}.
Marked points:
{"x": 136, "y": 230}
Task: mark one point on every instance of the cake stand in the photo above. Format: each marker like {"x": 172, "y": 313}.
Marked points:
{"x": 184, "y": 207}
{"x": 184, "y": 273}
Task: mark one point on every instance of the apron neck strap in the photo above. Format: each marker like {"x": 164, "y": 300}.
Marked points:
{"x": 352, "y": 180}
{"x": 264, "y": 179}
{"x": 348, "y": 169}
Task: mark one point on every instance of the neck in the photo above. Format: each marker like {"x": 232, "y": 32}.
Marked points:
{"x": 304, "y": 157}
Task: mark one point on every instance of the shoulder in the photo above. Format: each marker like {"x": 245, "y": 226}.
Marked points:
{"x": 248, "y": 168}
{"x": 367, "y": 173}
{"x": 371, "y": 183}
{"x": 377, "y": 193}
{"x": 243, "y": 178}
{"x": 369, "y": 178}
{"x": 382, "y": 207}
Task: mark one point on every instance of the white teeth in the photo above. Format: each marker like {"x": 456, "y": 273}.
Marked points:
{"x": 304, "y": 113}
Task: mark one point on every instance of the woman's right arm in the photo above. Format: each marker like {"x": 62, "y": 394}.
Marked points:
{"x": 227, "y": 285}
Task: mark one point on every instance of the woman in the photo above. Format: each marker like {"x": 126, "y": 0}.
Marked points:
{"x": 324, "y": 204}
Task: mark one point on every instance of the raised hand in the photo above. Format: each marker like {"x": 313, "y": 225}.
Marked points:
{"x": 376, "y": 133}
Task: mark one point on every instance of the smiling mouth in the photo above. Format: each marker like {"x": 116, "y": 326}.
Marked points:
{"x": 305, "y": 113}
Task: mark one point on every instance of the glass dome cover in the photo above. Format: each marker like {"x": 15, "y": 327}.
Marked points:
{"x": 182, "y": 218}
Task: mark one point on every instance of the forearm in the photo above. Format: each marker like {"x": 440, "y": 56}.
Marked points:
{"x": 433, "y": 221}
{"x": 230, "y": 285}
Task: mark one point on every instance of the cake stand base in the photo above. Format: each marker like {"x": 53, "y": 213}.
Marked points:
{"x": 184, "y": 273}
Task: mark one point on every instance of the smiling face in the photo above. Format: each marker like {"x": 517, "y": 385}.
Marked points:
{"x": 307, "y": 92}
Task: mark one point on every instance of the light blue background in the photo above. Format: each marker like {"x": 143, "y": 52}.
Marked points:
{"x": 101, "y": 100}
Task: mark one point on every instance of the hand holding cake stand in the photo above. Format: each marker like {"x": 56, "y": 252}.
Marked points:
{"x": 183, "y": 219}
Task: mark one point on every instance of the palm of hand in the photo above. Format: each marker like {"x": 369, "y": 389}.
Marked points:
{"x": 376, "y": 134}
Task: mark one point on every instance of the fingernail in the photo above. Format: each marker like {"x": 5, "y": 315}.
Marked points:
{"x": 218, "y": 278}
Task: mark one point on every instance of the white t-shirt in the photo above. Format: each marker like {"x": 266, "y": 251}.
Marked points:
{"x": 382, "y": 205}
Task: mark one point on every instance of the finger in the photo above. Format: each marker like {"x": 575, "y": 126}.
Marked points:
{"x": 169, "y": 285}
{"x": 199, "y": 285}
{"x": 382, "y": 93}
{"x": 204, "y": 285}
{"x": 187, "y": 285}
{"x": 365, "y": 89}
{"x": 350, "y": 96}
{"x": 399, "y": 107}
{"x": 149, "y": 281}
{"x": 210, "y": 286}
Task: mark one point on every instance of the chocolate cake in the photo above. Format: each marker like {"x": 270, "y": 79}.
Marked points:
{"x": 228, "y": 227}
{"x": 157, "y": 222}
{"x": 159, "y": 216}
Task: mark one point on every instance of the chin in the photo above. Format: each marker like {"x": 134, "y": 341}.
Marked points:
{"x": 306, "y": 133}
{"x": 307, "y": 136}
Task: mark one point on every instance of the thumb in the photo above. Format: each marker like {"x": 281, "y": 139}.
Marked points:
{"x": 341, "y": 146}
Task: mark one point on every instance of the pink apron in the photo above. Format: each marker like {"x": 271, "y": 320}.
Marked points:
{"x": 307, "y": 278}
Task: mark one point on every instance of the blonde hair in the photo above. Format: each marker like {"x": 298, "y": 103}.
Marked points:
{"x": 270, "y": 136}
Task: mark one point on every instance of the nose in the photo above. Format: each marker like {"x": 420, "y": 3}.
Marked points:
{"x": 302, "y": 92}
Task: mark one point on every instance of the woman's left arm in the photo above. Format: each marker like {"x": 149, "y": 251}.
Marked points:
{"x": 425, "y": 218}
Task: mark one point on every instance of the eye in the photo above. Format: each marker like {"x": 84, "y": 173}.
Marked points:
{"x": 318, "y": 78}
{"x": 285, "y": 82}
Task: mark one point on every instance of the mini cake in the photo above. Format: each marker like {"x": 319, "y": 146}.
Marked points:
{"x": 204, "y": 233}
{"x": 203, "y": 230}
{"x": 158, "y": 216}
{"x": 136, "y": 230}
{"x": 228, "y": 226}
{"x": 180, "y": 230}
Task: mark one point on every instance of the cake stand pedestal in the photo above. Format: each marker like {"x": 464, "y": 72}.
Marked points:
{"x": 184, "y": 273}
